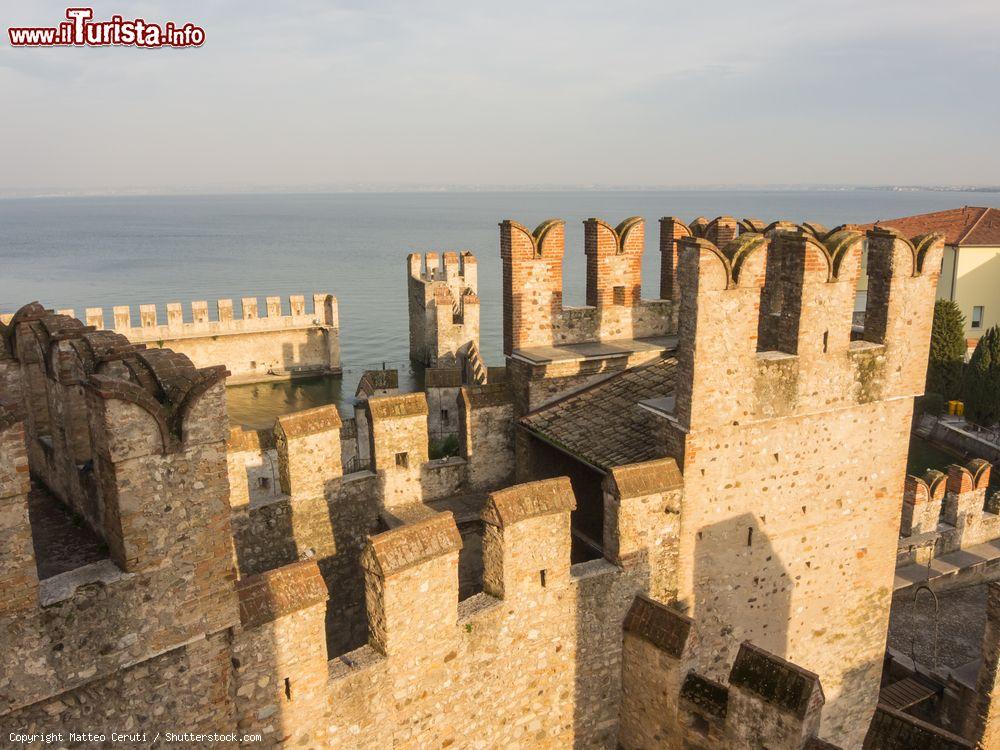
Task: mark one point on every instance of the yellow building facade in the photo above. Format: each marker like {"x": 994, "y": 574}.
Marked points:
{"x": 970, "y": 269}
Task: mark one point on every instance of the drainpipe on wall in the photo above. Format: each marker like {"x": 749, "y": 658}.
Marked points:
{"x": 954, "y": 274}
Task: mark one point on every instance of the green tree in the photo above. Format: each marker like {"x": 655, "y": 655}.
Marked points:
{"x": 982, "y": 380}
{"x": 947, "y": 358}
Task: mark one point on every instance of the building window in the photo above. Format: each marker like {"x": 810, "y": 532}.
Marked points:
{"x": 977, "y": 316}
{"x": 444, "y": 415}
{"x": 402, "y": 460}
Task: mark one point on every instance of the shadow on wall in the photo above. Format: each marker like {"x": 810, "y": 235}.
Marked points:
{"x": 329, "y": 528}
{"x": 735, "y": 556}
{"x": 352, "y": 517}
{"x": 747, "y": 595}
{"x": 539, "y": 460}
{"x": 600, "y": 606}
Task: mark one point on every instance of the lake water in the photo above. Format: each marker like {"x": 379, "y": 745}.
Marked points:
{"x": 100, "y": 252}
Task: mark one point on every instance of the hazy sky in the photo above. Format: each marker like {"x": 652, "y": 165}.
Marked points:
{"x": 327, "y": 94}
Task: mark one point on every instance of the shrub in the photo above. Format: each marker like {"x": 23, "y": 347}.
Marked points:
{"x": 932, "y": 403}
{"x": 982, "y": 380}
{"x": 946, "y": 362}
{"x": 444, "y": 448}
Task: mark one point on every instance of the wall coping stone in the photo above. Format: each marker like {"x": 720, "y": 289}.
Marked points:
{"x": 659, "y": 625}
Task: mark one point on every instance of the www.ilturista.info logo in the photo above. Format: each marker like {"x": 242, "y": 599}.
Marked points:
{"x": 82, "y": 31}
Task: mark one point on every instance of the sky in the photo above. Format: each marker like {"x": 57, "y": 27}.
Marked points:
{"x": 383, "y": 94}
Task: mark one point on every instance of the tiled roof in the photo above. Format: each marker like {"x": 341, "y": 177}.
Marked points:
{"x": 971, "y": 225}
{"x": 603, "y": 424}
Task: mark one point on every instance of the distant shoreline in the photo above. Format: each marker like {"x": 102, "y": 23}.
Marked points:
{"x": 53, "y": 194}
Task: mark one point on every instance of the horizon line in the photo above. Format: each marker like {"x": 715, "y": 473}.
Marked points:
{"x": 374, "y": 189}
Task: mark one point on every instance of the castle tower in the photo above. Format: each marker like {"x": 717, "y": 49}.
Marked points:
{"x": 793, "y": 441}
{"x": 443, "y": 307}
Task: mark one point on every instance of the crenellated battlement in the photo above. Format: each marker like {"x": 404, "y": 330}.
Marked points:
{"x": 131, "y": 442}
{"x": 218, "y": 319}
{"x": 778, "y": 402}
{"x": 765, "y": 699}
{"x": 277, "y": 340}
{"x": 944, "y": 513}
{"x": 327, "y": 583}
{"x": 534, "y": 314}
{"x": 614, "y": 261}
{"x": 458, "y": 269}
{"x": 777, "y": 308}
{"x": 922, "y": 497}
{"x": 720, "y": 231}
{"x": 311, "y": 453}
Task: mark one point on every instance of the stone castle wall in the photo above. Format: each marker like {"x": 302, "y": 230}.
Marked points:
{"x": 262, "y": 344}
{"x": 765, "y": 701}
{"x": 268, "y": 582}
{"x": 136, "y": 632}
{"x": 541, "y": 646}
{"x": 317, "y": 511}
{"x": 255, "y": 656}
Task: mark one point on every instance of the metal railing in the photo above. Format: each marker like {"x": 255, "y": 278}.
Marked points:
{"x": 357, "y": 464}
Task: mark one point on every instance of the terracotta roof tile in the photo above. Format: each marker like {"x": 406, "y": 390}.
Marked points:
{"x": 971, "y": 225}
{"x": 603, "y": 424}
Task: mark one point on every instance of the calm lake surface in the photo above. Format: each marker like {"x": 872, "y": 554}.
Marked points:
{"x": 100, "y": 252}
